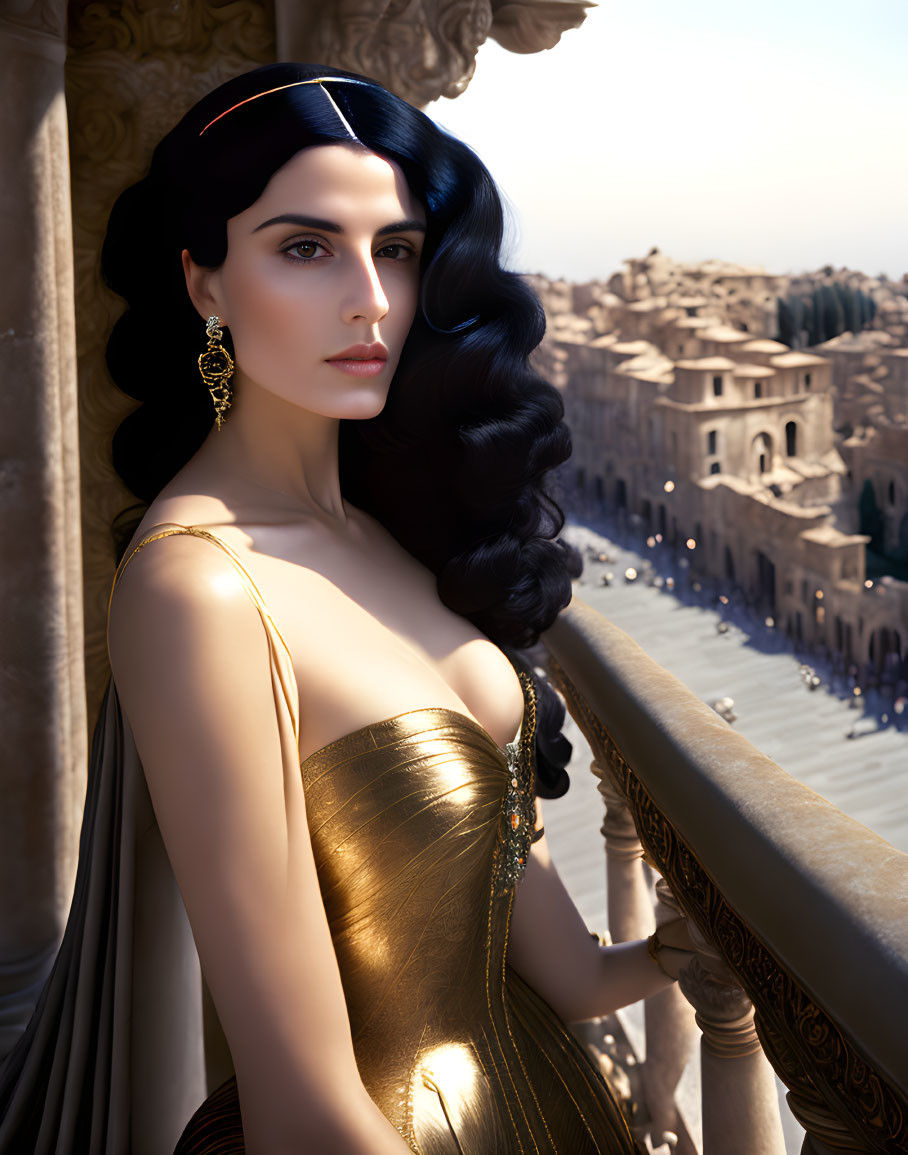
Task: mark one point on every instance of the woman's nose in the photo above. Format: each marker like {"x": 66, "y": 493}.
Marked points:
{"x": 365, "y": 297}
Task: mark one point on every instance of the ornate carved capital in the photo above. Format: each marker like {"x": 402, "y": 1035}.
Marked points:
{"x": 724, "y": 1013}
{"x": 420, "y": 49}
{"x": 534, "y": 25}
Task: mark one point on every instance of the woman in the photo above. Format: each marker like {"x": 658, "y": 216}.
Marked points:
{"x": 347, "y": 522}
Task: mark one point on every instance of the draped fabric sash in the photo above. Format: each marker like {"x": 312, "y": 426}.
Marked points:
{"x": 112, "y": 1060}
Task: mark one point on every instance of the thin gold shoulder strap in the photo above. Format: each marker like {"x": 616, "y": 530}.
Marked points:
{"x": 173, "y": 528}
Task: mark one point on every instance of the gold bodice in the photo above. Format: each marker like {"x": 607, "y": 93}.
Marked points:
{"x": 420, "y": 826}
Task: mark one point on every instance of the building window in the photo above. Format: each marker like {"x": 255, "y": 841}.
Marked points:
{"x": 758, "y": 389}
{"x": 791, "y": 439}
{"x": 715, "y": 467}
{"x": 806, "y": 380}
{"x": 711, "y": 440}
{"x": 717, "y": 385}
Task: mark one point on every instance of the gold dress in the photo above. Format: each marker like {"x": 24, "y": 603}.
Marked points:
{"x": 421, "y": 826}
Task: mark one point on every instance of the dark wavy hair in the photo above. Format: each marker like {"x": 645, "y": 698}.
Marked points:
{"x": 455, "y": 465}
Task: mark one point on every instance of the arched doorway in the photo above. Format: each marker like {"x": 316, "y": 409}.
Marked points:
{"x": 762, "y": 453}
{"x": 791, "y": 439}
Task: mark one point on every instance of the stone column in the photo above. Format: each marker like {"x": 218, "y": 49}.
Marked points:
{"x": 671, "y": 1033}
{"x": 739, "y": 1100}
{"x": 42, "y": 697}
{"x": 630, "y": 904}
{"x": 670, "y": 1028}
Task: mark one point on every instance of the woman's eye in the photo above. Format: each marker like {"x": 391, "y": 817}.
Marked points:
{"x": 304, "y": 250}
{"x": 396, "y": 251}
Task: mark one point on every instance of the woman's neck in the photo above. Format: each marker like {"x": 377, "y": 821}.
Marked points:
{"x": 268, "y": 446}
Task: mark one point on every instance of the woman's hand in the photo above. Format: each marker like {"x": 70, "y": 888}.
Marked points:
{"x": 671, "y": 947}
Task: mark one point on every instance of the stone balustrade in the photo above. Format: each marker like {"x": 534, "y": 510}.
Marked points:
{"x": 800, "y": 914}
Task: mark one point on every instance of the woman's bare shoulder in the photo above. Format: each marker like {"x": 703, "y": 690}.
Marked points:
{"x": 177, "y": 603}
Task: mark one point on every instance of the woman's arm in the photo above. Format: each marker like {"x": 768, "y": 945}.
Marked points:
{"x": 191, "y": 664}
{"x": 551, "y": 948}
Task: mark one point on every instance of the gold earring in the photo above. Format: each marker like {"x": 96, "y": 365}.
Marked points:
{"x": 216, "y": 367}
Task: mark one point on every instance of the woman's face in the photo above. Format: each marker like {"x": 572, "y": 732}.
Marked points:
{"x": 320, "y": 283}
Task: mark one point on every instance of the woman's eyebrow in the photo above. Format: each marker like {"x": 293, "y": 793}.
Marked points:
{"x": 404, "y": 226}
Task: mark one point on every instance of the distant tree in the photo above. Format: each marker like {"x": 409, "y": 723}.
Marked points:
{"x": 832, "y": 313}
{"x": 800, "y": 319}
{"x": 823, "y": 313}
{"x": 851, "y": 308}
{"x": 786, "y": 323}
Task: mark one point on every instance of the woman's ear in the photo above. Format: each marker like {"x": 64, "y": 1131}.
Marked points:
{"x": 201, "y": 284}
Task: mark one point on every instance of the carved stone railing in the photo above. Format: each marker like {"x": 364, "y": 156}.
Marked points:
{"x": 803, "y": 906}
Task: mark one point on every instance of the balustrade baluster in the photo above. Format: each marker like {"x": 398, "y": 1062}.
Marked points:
{"x": 740, "y": 1106}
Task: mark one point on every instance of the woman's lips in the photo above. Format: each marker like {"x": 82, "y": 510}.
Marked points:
{"x": 359, "y": 368}
{"x": 361, "y": 360}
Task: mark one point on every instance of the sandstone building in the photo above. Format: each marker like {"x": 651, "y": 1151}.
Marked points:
{"x": 723, "y": 442}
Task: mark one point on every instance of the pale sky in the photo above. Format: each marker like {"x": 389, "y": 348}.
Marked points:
{"x": 767, "y": 132}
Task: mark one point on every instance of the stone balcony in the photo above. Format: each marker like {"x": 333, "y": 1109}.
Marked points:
{"x": 804, "y": 908}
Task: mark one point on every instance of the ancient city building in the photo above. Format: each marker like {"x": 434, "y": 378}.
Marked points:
{"x": 724, "y": 443}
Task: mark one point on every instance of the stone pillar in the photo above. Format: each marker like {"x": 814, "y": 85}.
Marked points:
{"x": 671, "y": 1033}
{"x": 670, "y": 1027}
{"x": 630, "y": 904}
{"x": 42, "y": 699}
{"x": 739, "y": 1100}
